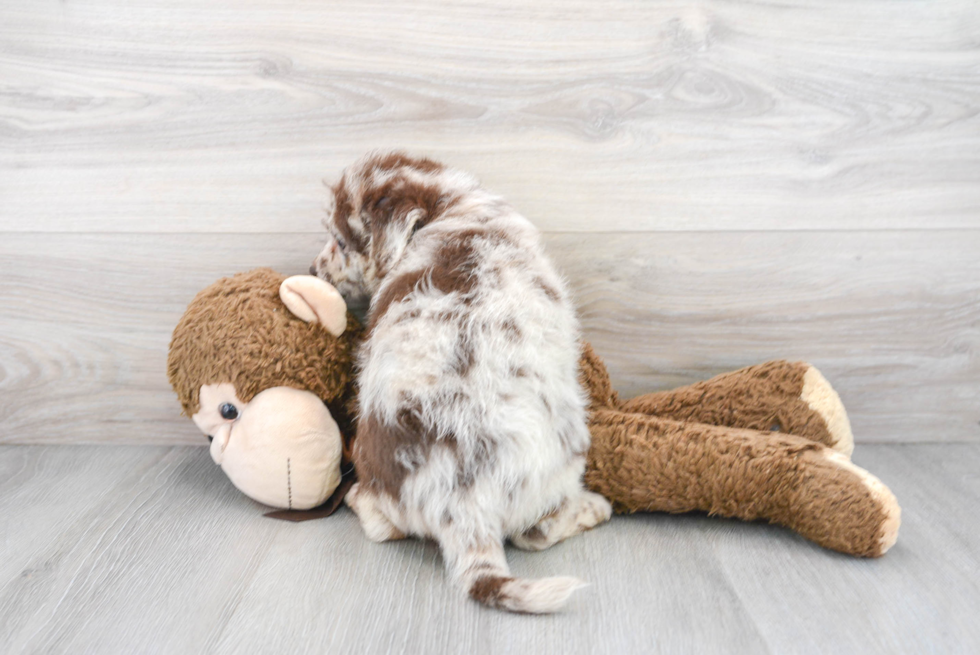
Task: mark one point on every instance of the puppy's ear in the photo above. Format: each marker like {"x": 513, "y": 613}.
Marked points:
{"x": 403, "y": 205}
{"x": 315, "y": 301}
{"x": 414, "y": 221}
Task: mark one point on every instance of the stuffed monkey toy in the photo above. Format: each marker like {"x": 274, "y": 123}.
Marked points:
{"x": 263, "y": 364}
{"x": 768, "y": 442}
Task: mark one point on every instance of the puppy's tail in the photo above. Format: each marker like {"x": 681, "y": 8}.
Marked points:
{"x": 482, "y": 572}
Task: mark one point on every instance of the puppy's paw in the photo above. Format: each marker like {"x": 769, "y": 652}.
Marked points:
{"x": 375, "y": 524}
{"x": 593, "y": 510}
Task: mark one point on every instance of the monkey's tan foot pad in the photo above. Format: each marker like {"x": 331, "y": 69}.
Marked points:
{"x": 823, "y": 399}
{"x": 843, "y": 507}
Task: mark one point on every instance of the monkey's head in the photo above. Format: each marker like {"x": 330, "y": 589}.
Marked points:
{"x": 263, "y": 364}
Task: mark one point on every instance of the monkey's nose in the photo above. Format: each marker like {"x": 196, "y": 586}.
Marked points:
{"x": 313, "y": 269}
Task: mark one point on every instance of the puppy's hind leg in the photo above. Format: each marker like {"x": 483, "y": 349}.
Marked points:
{"x": 376, "y": 526}
{"x": 576, "y": 514}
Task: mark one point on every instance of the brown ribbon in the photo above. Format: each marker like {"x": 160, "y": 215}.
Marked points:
{"x": 330, "y": 506}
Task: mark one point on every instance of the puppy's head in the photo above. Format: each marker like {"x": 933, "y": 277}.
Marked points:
{"x": 379, "y": 203}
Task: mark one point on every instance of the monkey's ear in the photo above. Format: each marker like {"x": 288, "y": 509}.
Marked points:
{"x": 315, "y": 301}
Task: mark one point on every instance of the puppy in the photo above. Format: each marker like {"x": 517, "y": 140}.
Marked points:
{"x": 472, "y": 422}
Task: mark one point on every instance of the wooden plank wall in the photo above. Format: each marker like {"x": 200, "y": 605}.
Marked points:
{"x": 722, "y": 182}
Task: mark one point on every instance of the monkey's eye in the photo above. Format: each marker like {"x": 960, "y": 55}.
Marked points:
{"x": 228, "y": 412}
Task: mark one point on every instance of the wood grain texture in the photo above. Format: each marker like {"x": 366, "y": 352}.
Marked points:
{"x": 623, "y": 115}
{"x": 136, "y": 549}
{"x": 891, "y": 318}
{"x": 722, "y": 182}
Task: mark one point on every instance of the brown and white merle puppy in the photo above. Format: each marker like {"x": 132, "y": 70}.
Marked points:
{"x": 472, "y": 425}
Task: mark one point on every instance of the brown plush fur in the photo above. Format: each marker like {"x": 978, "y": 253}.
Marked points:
{"x": 238, "y": 330}
{"x": 694, "y": 449}
{"x": 646, "y": 463}
{"x": 763, "y": 397}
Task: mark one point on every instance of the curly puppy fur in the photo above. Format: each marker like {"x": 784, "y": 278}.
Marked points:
{"x": 472, "y": 422}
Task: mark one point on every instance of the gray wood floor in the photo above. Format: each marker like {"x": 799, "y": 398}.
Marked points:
{"x": 113, "y": 549}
